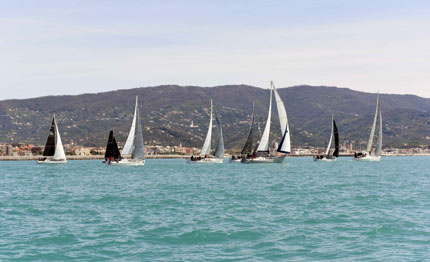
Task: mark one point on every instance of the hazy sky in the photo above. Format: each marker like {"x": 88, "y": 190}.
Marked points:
{"x": 72, "y": 47}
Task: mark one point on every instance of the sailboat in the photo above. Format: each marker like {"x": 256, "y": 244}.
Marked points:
{"x": 335, "y": 134}
{"x": 218, "y": 156}
{"x": 112, "y": 153}
{"x": 54, "y": 151}
{"x": 134, "y": 144}
{"x": 248, "y": 148}
{"x": 262, "y": 153}
{"x": 368, "y": 155}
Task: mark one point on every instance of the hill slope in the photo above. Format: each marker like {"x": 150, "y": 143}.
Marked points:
{"x": 167, "y": 112}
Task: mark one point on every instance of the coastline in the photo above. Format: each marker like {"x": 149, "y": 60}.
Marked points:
{"x": 100, "y": 157}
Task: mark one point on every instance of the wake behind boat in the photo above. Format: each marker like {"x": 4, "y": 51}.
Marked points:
{"x": 262, "y": 153}
{"x": 134, "y": 144}
{"x": 326, "y": 156}
{"x": 54, "y": 151}
{"x": 368, "y": 155}
{"x": 206, "y": 149}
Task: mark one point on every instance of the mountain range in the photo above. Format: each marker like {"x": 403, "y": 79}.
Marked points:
{"x": 167, "y": 112}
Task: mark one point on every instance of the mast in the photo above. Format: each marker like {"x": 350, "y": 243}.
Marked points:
{"x": 327, "y": 151}
{"x": 248, "y": 147}
{"x": 264, "y": 142}
{"x": 139, "y": 149}
{"x": 128, "y": 147}
{"x": 50, "y": 142}
{"x": 206, "y": 149}
{"x": 285, "y": 145}
{"x": 219, "y": 151}
{"x": 372, "y": 132}
{"x": 336, "y": 139}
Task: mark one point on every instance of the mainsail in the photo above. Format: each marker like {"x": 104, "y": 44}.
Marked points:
{"x": 219, "y": 151}
{"x": 285, "y": 145}
{"x": 336, "y": 140}
{"x": 206, "y": 149}
{"x": 249, "y": 144}
{"x": 327, "y": 151}
{"x": 59, "y": 150}
{"x": 139, "y": 149}
{"x": 379, "y": 145}
{"x": 50, "y": 142}
{"x": 128, "y": 147}
{"x": 372, "y": 132}
{"x": 264, "y": 142}
{"x": 112, "y": 148}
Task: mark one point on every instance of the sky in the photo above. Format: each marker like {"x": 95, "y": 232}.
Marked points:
{"x": 54, "y": 47}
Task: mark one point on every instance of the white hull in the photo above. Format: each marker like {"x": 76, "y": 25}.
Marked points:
{"x": 129, "y": 162}
{"x": 263, "y": 160}
{"x": 211, "y": 160}
{"x": 51, "y": 161}
{"x": 367, "y": 158}
{"x": 325, "y": 159}
{"x": 235, "y": 160}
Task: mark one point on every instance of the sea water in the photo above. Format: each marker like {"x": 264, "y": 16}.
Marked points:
{"x": 169, "y": 210}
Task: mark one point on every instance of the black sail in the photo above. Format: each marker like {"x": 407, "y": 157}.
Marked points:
{"x": 112, "y": 148}
{"x": 248, "y": 147}
{"x": 336, "y": 140}
{"x": 50, "y": 142}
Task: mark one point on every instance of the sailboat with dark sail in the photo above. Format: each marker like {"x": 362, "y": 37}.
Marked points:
{"x": 334, "y": 133}
{"x": 205, "y": 156}
{"x": 368, "y": 155}
{"x": 112, "y": 153}
{"x": 54, "y": 151}
{"x": 134, "y": 146}
{"x": 262, "y": 154}
{"x": 249, "y": 147}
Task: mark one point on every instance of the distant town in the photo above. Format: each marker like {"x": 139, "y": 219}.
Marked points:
{"x": 22, "y": 150}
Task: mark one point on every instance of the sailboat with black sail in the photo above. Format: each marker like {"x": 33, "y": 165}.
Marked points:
{"x": 334, "y": 133}
{"x": 112, "y": 153}
{"x": 54, "y": 151}
{"x": 134, "y": 146}
{"x": 262, "y": 153}
{"x": 249, "y": 147}
{"x": 369, "y": 155}
{"x": 205, "y": 153}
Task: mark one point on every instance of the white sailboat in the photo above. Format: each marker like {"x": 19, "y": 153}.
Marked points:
{"x": 54, "y": 151}
{"x": 368, "y": 155}
{"x": 262, "y": 154}
{"x": 334, "y": 133}
{"x": 134, "y": 145}
{"x": 205, "y": 156}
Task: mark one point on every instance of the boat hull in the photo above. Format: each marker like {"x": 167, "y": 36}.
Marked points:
{"x": 211, "y": 160}
{"x": 51, "y": 161}
{"x": 263, "y": 160}
{"x": 368, "y": 158}
{"x": 324, "y": 159}
{"x": 129, "y": 162}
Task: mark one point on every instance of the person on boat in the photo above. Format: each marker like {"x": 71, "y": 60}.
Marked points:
{"x": 192, "y": 158}
{"x": 233, "y": 157}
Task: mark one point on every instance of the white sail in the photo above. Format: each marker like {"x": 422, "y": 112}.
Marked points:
{"x": 59, "y": 150}
{"x": 372, "y": 132}
{"x": 138, "y": 145}
{"x": 219, "y": 151}
{"x": 285, "y": 146}
{"x": 206, "y": 149}
{"x": 379, "y": 145}
{"x": 331, "y": 138}
{"x": 128, "y": 147}
{"x": 264, "y": 142}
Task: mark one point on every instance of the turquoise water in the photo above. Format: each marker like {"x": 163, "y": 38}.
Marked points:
{"x": 168, "y": 210}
